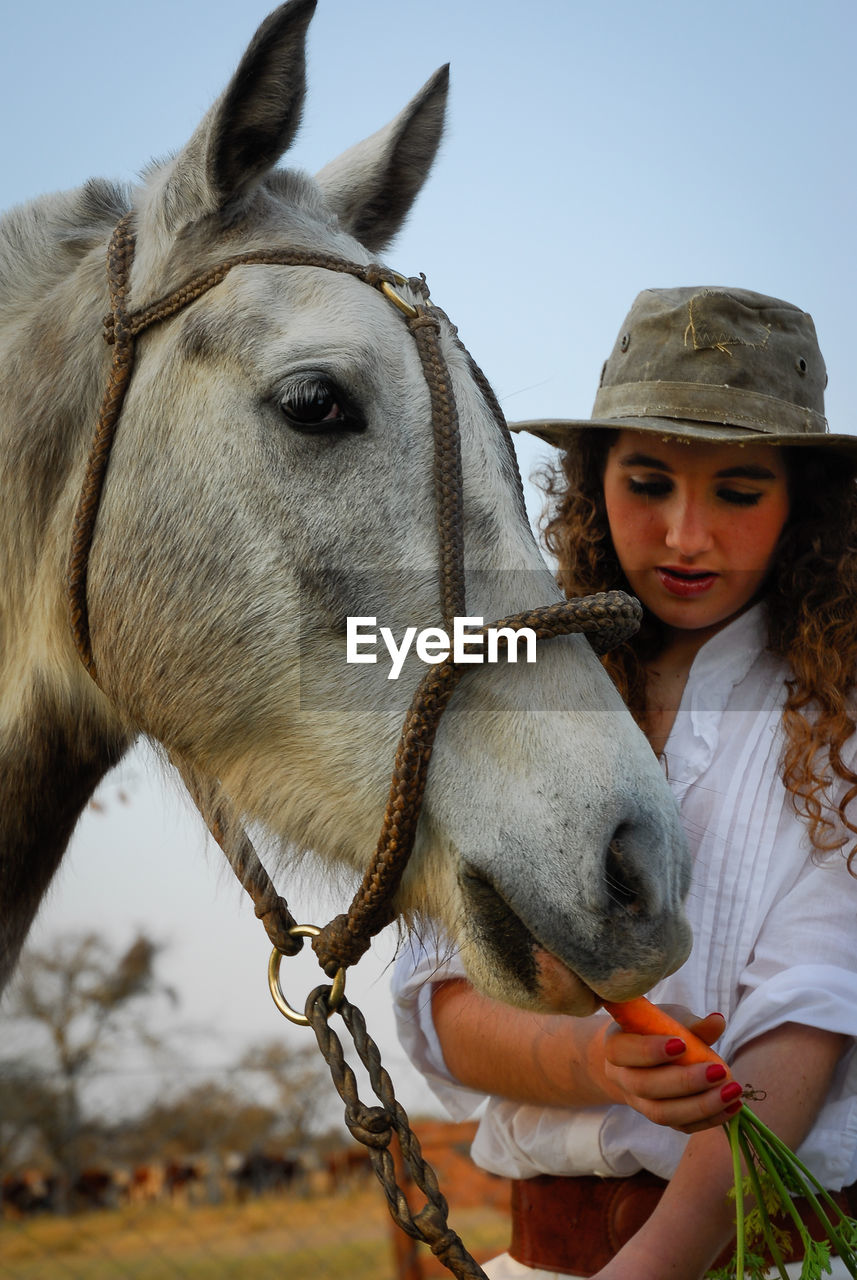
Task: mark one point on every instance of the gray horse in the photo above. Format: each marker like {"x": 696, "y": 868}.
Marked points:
{"x": 272, "y": 478}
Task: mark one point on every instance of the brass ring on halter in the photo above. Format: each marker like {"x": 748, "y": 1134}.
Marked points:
{"x": 337, "y": 990}
{"x": 397, "y": 300}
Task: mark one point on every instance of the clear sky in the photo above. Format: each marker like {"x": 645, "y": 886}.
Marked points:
{"x": 593, "y": 149}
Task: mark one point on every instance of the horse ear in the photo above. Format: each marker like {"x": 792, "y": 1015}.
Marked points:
{"x": 261, "y": 109}
{"x": 249, "y": 127}
{"x": 372, "y": 186}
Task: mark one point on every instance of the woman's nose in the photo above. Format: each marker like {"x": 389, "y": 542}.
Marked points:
{"x": 688, "y": 530}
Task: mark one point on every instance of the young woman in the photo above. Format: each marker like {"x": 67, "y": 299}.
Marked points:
{"x": 708, "y": 486}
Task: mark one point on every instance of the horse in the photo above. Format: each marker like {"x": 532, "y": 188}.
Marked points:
{"x": 270, "y": 480}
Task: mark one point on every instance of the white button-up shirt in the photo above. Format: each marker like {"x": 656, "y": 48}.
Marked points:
{"x": 774, "y": 926}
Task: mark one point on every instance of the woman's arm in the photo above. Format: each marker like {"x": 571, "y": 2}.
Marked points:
{"x": 554, "y": 1060}
{"x": 695, "y": 1218}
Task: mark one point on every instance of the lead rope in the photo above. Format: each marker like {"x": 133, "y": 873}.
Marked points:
{"x": 606, "y": 619}
{"x": 375, "y": 1126}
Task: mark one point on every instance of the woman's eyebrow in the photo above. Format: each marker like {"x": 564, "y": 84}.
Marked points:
{"x": 644, "y": 460}
{"x": 743, "y": 471}
{"x": 746, "y": 472}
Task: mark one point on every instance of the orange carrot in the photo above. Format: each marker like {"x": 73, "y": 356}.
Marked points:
{"x": 643, "y": 1018}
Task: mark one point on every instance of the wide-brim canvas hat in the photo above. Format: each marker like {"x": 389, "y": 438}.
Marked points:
{"x": 714, "y": 364}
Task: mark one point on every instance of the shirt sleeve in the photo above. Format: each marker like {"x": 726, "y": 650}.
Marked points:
{"x": 803, "y": 967}
{"x": 804, "y": 970}
{"x": 421, "y": 964}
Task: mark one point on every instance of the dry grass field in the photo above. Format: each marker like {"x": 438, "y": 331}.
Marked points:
{"x": 342, "y": 1237}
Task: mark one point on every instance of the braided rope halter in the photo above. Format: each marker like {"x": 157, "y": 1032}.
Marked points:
{"x": 607, "y": 619}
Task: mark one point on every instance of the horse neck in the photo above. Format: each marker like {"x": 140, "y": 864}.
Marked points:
{"x": 56, "y": 741}
{"x": 52, "y": 366}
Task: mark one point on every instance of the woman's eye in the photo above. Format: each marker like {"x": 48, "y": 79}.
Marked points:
{"x": 739, "y": 497}
{"x": 657, "y": 487}
{"x": 319, "y": 405}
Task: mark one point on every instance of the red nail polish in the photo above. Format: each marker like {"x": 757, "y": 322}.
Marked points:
{"x": 731, "y": 1091}
{"x": 674, "y": 1047}
{"x": 716, "y": 1071}
{"x": 736, "y": 1106}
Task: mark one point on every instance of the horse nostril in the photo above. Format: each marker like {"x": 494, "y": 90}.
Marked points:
{"x": 625, "y": 889}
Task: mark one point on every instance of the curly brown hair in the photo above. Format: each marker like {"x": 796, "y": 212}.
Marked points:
{"x": 811, "y": 605}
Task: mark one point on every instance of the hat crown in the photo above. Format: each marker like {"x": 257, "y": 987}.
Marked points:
{"x": 726, "y": 356}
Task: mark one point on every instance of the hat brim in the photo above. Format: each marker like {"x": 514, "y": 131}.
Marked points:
{"x": 561, "y": 432}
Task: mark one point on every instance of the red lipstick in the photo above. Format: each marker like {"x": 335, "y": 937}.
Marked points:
{"x": 686, "y": 583}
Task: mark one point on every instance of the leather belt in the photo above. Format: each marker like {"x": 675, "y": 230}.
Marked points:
{"x": 576, "y": 1225}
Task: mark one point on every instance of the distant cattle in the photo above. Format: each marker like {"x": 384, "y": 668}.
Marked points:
{"x": 146, "y": 1184}
{"x": 181, "y": 1178}
{"x": 28, "y": 1191}
{"x": 259, "y": 1174}
{"x": 96, "y": 1189}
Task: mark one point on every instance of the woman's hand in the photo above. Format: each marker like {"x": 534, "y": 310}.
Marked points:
{"x": 553, "y": 1060}
{"x": 641, "y": 1071}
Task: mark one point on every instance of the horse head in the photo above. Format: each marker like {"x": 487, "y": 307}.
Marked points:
{"x": 270, "y": 479}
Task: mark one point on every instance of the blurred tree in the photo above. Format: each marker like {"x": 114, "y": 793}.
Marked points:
{"x": 299, "y": 1084}
{"x": 77, "y": 1003}
{"x": 271, "y": 1100}
{"x": 29, "y": 1113}
{"x": 209, "y": 1118}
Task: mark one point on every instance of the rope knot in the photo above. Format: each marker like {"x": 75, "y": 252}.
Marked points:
{"x": 109, "y": 323}
{"x": 434, "y": 1230}
{"x": 424, "y": 320}
{"x": 337, "y": 946}
{"x": 278, "y": 921}
{"x": 448, "y": 1245}
{"x": 419, "y": 285}
{"x": 371, "y": 1126}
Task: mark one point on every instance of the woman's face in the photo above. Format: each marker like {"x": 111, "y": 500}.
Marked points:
{"x": 694, "y": 525}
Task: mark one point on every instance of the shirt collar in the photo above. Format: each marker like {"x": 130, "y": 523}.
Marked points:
{"x": 724, "y": 660}
{"x": 721, "y": 664}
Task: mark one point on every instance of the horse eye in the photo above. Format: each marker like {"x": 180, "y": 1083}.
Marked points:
{"x": 318, "y": 405}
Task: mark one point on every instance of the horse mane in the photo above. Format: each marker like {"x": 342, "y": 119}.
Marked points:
{"x": 47, "y": 237}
